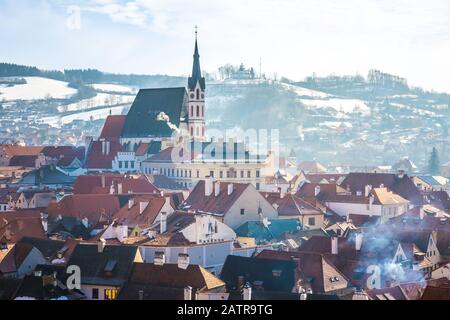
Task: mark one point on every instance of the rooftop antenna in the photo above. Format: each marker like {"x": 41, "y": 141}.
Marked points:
{"x": 196, "y": 32}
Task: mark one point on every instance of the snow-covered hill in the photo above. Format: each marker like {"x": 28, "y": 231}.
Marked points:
{"x": 37, "y": 88}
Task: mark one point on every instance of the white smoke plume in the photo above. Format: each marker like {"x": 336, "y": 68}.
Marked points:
{"x": 162, "y": 116}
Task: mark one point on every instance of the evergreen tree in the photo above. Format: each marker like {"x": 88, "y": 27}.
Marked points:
{"x": 433, "y": 163}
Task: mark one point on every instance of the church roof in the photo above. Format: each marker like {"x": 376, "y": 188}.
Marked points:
{"x": 196, "y": 71}
{"x": 152, "y": 110}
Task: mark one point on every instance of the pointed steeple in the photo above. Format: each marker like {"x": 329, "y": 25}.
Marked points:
{"x": 196, "y": 75}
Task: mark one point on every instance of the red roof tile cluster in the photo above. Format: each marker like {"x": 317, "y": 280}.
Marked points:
{"x": 101, "y": 184}
{"x": 12, "y": 150}
{"x": 15, "y": 228}
{"x": 290, "y": 205}
{"x": 219, "y": 204}
{"x": 399, "y": 184}
{"x": 113, "y": 126}
{"x": 142, "y": 149}
{"x": 95, "y": 207}
{"x": 60, "y": 152}
{"x": 134, "y": 216}
{"x": 23, "y": 161}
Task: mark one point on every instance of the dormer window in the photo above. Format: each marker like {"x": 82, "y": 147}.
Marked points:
{"x": 109, "y": 268}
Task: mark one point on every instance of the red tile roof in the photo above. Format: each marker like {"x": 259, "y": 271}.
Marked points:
{"x": 133, "y": 217}
{"x": 11, "y": 150}
{"x": 401, "y": 185}
{"x": 290, "y": 205}
{"x": 97, "y": 159}
{"x": 91, "y": 184}
{"x": 113, "y": 126}
{"x": 95, "y": 207}
{"x": 142, "y": 149}
{"x": 59, "y": 152}
{"x": 198, "y": 201}
{"x": 14, "y": 229}
{"x": 23, "y": 161}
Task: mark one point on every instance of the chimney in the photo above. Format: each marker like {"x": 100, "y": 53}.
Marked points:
{"x": 400, "y": 174}
{"x": 119, "y": 188}
{"x": 188, "y": 293}
{"x": 208, "y": 186}
{"x": 108, "y": 147}
{"x": 334, "y": 245}
{"x": 160, "y": 258}
{"x": 371, "y": 200}
{"x": 44, "y": 224}
{"x": 130, "y": 203}
{"x": 103, "y": 181}
{"x": 217, "y": 189}
{"x": 421, "y": 213}
{"x": 163, "y": 223}
{"x": 101, "y": 244}
{"x": 230, "y": 188}
{"x": 141, "y": 295}
{"x": 247, "y": 292}
{"x": 142, "y": 206}
{"x": 358, "y": 241}
{"x": 316, "y": 191}
{"x": 367, "y": 190}
{"x": 303, "y": 296}
{"x": 183, "y": 261}
{"x": 103, "y": 147}
{"x": 85, "y": 222}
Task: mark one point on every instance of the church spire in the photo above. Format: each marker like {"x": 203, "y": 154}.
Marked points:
{"x": 196, "y": 75}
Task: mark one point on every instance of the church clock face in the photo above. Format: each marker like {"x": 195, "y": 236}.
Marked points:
{"x": 192, "y": 96}
{"x": 203, "y": 96}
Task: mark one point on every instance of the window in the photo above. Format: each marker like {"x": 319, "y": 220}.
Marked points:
{"x": 203, "y": 111}
{"x": 242, "y": 212}
{"x": 126, "y": 164}
{"x": 192, "y": 111}
{"x": 132, "y": 164}
{"x": 249, "y": 174}
{"x": 228, "y": 174}
{"x": 95, "y": 294}
{"x": 198, "y": 94}
{"x": 120, "y": 164}
{"x": 198, "y": 111}
{"x": 198, "y": 174}
{"x": 242, "y": 174}
{"x": 110, "y": 294}
{"x": 257, "y": 173}
{"x": 312, "y": 222}
{"x": 221, "y": 174}
{"x": 211, "y": 174}
{"x": 257, "y": 186}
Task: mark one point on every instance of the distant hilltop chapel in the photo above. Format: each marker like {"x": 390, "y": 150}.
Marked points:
{"x": 157, "y": 113}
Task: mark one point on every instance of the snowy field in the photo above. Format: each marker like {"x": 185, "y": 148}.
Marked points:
{"x": 304, "y": 92}
{"x": 84, "y": 116}
{"x": 100, "y": 100}
{"x": 340, "y": 105}
{"x": 37, "y": 88}
{"x": 114, "y": 88}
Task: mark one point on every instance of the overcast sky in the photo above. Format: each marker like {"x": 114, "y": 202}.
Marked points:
{"x": 293, "y": 38}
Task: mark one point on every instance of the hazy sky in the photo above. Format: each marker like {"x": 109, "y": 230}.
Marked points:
{"x": 293, "y": 38}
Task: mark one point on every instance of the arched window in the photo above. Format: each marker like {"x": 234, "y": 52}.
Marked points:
{"x": 203, "y": 111}
{"x": 198, "y": 94}
{"x": 198, "y": 111}
{"x": 192, "y": 131}
{"x": 192, "y": 111}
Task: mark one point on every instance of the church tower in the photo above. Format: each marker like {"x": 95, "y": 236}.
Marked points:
{"x": 196, "y": 101}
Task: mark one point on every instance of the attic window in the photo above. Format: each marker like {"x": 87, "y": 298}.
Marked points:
{"x": 3, "y": 245}
{"x": 109, "y": 268}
